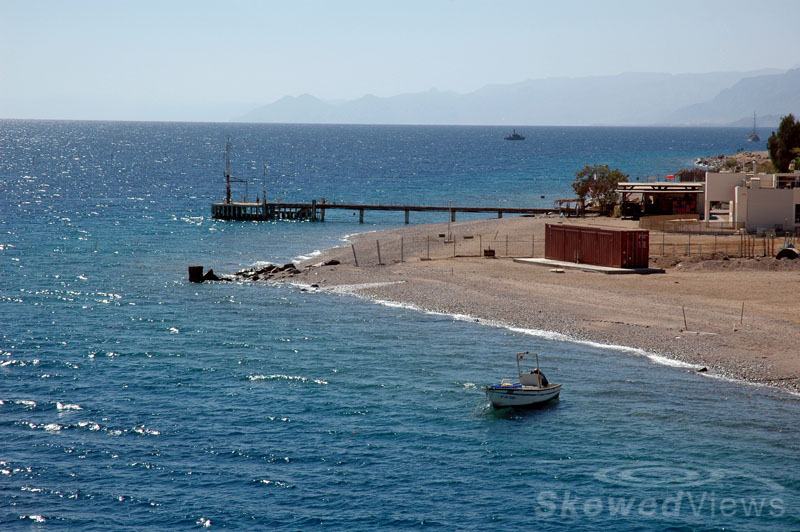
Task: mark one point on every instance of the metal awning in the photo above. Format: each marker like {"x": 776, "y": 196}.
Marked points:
{"x": 661, "y": 188}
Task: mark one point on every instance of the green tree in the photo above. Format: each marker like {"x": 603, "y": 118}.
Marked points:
{"x": 599, "y": 184}
{"x": 781, "y": 146}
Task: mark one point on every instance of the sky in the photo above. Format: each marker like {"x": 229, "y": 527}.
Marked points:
{"x": 211, "y": 60}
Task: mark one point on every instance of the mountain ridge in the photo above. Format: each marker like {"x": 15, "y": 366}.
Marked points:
{"x": 632, "y": 98}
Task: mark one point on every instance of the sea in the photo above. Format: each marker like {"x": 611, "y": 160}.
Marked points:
{"x": 131, "y": 399}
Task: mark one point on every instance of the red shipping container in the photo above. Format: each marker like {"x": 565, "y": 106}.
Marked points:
{"x": 618, "y": 248}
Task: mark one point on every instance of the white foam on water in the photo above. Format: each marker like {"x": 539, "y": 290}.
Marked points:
{"x": 539, "y": 333}
{"x": 34, "y": 518}
{"x": 68, "y": 406}
{"x": 348, "y": 238}
{"x": 144, "y": 431}
{"x": 352, "y": 289}
{"x": 277, "y": 483}
{"x": 727, "y": 378}
{"x": 297, "y": 378}
{"x": 315, "y": 253}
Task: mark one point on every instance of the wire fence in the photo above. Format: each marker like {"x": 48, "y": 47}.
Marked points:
{"x": 372, "y": 252}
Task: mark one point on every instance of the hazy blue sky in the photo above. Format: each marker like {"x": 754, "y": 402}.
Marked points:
{"x": 198, "y": 59}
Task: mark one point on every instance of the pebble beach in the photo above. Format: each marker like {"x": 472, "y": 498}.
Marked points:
{"x": 729, "y": 318}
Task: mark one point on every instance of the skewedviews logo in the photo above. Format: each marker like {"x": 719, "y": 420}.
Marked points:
{"x": 664, "y": 490}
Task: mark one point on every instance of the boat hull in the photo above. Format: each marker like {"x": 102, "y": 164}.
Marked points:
{"x": 502, "y": 397}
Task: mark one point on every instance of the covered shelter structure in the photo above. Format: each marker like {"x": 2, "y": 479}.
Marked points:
{"x": 661, "y": 198}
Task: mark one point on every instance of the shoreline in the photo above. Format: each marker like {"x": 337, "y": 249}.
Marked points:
{"x": 654, "y": 358}
{"x": 742, "y": 321}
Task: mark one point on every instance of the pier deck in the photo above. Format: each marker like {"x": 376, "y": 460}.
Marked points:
{"x": 315, "y": 211}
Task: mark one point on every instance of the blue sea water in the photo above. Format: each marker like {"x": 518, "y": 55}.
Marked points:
{"x": 133, "y": 400}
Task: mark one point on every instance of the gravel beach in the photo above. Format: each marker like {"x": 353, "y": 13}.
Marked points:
{"x": 729, "y": 317}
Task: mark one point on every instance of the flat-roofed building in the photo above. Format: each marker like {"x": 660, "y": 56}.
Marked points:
{"x": 758, "y": 202}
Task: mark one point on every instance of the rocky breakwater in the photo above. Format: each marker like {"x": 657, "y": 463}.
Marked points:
{"x": 274, "y": 272}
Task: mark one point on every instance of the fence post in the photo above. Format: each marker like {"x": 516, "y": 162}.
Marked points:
{"x": 401, "y": 250}
{"x": 506, "y": 245}
{"x": 533, "y": 246}
{"x": 378, "y": 243}
{"x": 355, "y": 259}
{"x": 480, "y": 245}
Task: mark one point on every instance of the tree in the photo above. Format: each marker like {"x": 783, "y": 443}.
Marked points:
{"x": 599, "y": 183}
{"x": 781, "y": 146}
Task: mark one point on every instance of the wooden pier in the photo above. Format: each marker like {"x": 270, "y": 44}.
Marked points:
{"x": 315, "y": 211}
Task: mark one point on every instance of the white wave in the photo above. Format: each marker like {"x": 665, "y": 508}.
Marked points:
{"x": 34, "y": 518}
{"x": 315, "y": 253}
{"x": 278, "y": 483}
{"x": 728, "y": 378}
{"x": 145, "y": 431}
{"x": 352, "y": 289}
{"x": 539, "y": 333}
{"x": 67, "y": 406}
{"x": 348, "y": 238}
{"x": 297, "y": 378}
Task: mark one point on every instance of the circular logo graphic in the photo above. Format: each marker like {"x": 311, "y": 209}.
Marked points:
{"x": 658, "y": 475}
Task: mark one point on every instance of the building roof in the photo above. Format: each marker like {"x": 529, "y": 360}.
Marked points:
{"x": 661, "y": 188}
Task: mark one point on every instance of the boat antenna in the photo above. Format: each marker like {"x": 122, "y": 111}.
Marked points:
{"x": 265, "y": 181}
{"x": 538, "y": 371}
{"x": 519, "y": 357}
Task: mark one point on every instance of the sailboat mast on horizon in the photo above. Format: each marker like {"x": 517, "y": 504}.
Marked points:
{"x": 754, "y": 135}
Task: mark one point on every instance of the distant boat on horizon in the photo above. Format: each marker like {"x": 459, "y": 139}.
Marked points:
{"x": 514, "y": 136}
{"x": 754, "y": 135}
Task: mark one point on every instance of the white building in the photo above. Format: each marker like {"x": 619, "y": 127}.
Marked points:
{"x": 760, "y": 202}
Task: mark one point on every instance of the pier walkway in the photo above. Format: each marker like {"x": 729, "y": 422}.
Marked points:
{"x": 315, "y": 211}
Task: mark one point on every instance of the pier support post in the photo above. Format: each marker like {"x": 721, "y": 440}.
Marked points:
{"x": 499, "y": 214}
{"x": 452, "y": 215}
{"x": 406, "y": 216}
{"x": 313, "y": 210}
{"x": 361, "y": 216}
{"x": 195, "y": 274}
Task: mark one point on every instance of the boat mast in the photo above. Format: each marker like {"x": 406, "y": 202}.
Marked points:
{"x": 228, "y": 171}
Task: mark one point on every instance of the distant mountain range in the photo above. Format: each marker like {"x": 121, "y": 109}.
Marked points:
{"x": 718, "y": 98}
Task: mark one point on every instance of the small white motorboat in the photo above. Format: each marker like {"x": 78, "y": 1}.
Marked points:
{"x": 532, "y": 388}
